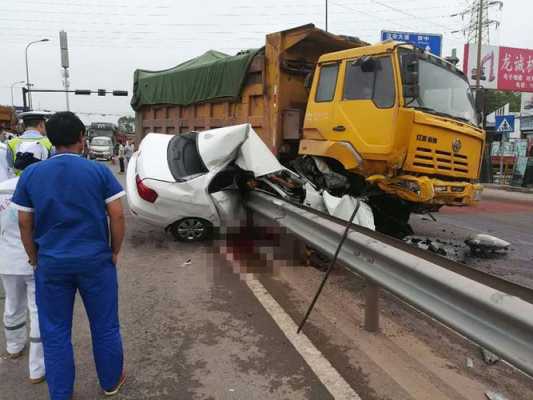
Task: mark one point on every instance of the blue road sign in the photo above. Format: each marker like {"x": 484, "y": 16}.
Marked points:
{"x": 504, "y": 123}
{"x": 430, "y": 42}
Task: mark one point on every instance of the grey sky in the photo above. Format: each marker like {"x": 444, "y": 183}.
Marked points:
{"x": 109, "y": 39}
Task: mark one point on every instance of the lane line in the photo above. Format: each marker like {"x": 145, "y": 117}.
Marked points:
{"x": 326, "y": 373}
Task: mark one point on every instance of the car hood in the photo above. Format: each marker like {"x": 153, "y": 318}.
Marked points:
{"x": 218, "y": 147}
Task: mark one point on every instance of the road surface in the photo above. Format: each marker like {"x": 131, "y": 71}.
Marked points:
{"x": 195, "y": 326}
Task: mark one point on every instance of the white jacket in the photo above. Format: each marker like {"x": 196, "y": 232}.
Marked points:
{"x": 13, "y": 259}
{"x": 5, "y": 171}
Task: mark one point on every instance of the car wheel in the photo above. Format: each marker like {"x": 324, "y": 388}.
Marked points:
{"x": 191, "y": 229}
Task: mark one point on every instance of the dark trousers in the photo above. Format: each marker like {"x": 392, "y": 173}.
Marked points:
{"x": 55, "y": 294}
{"x": 121, "y": 162}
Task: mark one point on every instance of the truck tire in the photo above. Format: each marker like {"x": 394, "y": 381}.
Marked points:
{"x": 391, "y": 215}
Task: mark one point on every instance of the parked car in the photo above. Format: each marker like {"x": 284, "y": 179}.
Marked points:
{"x": 101, "y": 147}
{"x": 190, "y": 183}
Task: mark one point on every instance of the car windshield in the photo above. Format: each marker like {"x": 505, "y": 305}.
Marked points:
{"x": 184, "y": 161}
{"x": 101, "y": 142}
{"x": 444, "y": 92}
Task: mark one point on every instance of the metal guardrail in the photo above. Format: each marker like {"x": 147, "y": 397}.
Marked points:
{"x": 495, "y": 314}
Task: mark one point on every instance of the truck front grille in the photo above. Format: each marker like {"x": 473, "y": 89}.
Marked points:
{"x": 441, "y": 161}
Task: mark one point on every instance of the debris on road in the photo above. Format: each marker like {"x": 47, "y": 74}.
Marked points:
{"x": 485, "y": 245}
{"x": 469, "y": 362}
{"x": 489, "y": 357}
{"x": 187, "y": 263}
{"x": 495, "y": 396}
{"x": 478, "y": 245}
{"x": 454, "y": 250}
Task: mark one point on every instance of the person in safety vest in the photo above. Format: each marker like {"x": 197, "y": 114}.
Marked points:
{"x": 34, "y": 123}
{"x": 16, "y": 275}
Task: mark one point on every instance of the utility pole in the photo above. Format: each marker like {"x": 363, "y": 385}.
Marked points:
{"x": 63, "y": 44}
{"x": 326, "y": 15}
{"x": 479, "y": 45}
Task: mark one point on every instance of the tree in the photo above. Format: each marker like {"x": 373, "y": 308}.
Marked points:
{"x": 126, "y": 124}
{"x": 497, "y": 98}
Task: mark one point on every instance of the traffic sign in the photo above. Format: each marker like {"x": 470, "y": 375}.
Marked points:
{"x": 504, "y": 123}
{"x": 429, "y": 42}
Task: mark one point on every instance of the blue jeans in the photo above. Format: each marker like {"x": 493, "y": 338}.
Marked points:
{"x": 55, "y": 293}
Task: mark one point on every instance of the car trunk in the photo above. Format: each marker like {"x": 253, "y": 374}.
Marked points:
{"x": 152, "y": 162}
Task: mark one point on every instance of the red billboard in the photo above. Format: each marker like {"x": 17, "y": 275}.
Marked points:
{"x": 503, "y": 68}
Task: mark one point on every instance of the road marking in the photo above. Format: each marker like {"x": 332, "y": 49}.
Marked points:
{"x": 330, "y": 378}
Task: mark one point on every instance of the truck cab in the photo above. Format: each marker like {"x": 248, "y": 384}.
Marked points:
{"x": 401, "y": 118}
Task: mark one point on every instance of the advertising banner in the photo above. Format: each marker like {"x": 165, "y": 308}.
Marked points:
{"x": 503, "y": 68}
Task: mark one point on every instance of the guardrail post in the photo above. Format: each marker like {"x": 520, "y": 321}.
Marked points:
{"x": 371, "y": 307}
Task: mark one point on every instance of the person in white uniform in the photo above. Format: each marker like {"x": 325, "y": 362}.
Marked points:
{"x": 18, "y": 281}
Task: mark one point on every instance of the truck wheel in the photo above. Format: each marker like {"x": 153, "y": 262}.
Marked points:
{"x": 191, "y": 229}
{"x": 391, "y": 215}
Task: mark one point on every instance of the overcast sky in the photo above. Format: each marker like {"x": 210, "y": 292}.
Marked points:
{"x": 109, "y": 39}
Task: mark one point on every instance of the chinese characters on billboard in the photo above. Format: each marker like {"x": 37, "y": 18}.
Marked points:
{"x": 503, "y": 68}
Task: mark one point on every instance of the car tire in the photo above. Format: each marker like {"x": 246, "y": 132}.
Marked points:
{"x": 191, "y": 229}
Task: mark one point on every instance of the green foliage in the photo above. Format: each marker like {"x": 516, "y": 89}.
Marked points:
{"x": 496, "y": 99}
{"x": 126, "y": 124}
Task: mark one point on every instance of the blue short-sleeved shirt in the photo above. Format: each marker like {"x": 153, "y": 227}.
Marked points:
{"x": 68, "y": 196}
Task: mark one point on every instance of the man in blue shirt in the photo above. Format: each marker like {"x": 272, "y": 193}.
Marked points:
{"x": 64, "y": 204}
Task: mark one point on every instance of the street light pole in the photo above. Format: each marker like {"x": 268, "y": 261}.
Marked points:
{"x": 28, "y": 71}
{"x": 12, "y": 85}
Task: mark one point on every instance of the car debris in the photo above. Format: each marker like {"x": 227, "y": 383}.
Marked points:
{"x": 489, "y": 357}
{"x": 454, "y": 250}
{"x": 483, "y": 244}
{"x": 343, "y": 207}
{"x": 495, "y": 396}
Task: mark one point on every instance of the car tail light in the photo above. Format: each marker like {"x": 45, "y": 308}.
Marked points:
{"x": 144, "y": 191}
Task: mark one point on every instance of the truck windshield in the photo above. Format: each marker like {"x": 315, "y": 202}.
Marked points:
{"x": 443, "y": 92}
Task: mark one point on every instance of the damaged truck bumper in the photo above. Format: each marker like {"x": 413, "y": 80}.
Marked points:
{"x": 422, "y": 189}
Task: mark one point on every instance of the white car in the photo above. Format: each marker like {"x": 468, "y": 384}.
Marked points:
{"x": 187, "y": 183}
{"x": 101, "y": 147}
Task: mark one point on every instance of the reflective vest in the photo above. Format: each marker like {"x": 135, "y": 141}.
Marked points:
{"x": 14, "y": 145}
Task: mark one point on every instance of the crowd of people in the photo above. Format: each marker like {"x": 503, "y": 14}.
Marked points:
{"x": 61, "y": 231}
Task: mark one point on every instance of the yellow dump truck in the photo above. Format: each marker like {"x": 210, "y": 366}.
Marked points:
{"x": 397, "y": 123}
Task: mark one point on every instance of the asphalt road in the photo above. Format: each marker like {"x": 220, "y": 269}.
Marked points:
{"x": 507, "y": 215}
{"x": 196, "y": 327}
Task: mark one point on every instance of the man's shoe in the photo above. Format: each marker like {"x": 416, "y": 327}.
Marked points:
{"x": 12, "y": 356}
{"x": 117, "y": 388}
{"x": 36, "y": 381}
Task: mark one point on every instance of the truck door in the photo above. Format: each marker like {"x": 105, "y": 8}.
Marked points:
{"x": 322, "y": 111}
{"x": 365, "y": 113}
